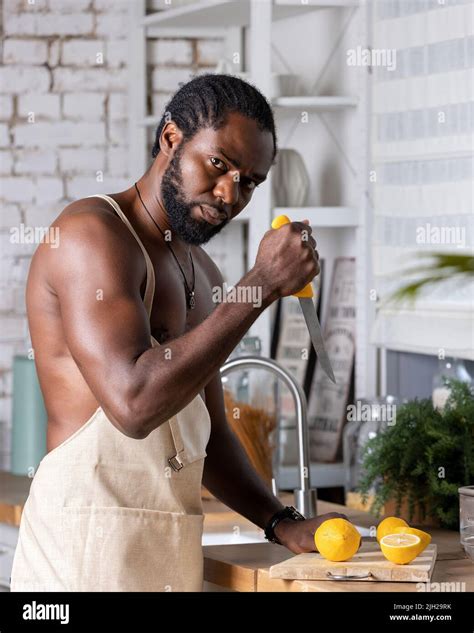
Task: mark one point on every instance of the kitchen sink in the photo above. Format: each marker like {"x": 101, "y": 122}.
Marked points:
{"x": 231, "y": 538}
{"x": 242, "y": 537}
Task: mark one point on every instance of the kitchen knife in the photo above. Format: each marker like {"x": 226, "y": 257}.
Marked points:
{"x": 305, "y": 297}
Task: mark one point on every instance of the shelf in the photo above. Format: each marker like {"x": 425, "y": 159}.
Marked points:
{"x": 316, "y": 103}
{"x": 310, "y": 103}
{"x": 321, "y": 216}
{"x": 222, "y": 13}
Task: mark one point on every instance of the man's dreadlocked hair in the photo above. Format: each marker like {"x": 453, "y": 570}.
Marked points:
{"x": 206, "y": 100}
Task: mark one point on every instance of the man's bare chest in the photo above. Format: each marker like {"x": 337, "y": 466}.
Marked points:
{"x": 171, "y": 315}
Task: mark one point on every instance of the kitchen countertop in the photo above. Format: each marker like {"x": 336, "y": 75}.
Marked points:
{"x": 245, "y": 567}
{"x": 13, "y": 493}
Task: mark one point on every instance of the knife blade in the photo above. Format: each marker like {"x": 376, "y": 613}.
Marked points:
{"x": 314, "y": 329}
{"x": 305, "y": 297}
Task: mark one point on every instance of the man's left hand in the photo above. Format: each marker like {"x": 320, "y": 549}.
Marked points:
{"x": 298, "y": 536}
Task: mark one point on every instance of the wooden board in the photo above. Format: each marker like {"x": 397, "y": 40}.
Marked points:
{"x": 369, "y": 558}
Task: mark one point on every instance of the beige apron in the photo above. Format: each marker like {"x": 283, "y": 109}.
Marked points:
{"x": 110, "y": 513}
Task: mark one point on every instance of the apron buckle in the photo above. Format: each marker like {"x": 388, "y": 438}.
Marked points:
{"x": 175, "y": 464}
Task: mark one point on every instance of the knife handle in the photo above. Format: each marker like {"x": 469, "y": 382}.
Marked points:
{"x": 307, "y": 291}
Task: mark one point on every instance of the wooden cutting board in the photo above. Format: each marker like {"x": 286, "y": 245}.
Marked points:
{"x": 369, "y": 558}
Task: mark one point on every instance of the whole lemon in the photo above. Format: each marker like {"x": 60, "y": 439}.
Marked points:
{"x": 401, "y": 548}
{"x": 424, "y": 537}
{"x": 337, "y": 539}
{"x": 388, "y": 525}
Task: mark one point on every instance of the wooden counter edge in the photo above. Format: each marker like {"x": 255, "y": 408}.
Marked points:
{"x": 228, "y": 575}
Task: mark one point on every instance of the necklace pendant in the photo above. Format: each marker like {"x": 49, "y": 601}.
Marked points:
{"x": 191, "y": 300}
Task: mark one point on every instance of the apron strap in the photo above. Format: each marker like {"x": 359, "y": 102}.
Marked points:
{"x": 150, "y": 273}
{"x": 178, "y": 460}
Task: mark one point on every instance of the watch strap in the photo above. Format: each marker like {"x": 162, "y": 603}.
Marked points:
{"x": 289, "y": 512}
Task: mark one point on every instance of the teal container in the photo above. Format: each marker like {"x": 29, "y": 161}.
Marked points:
{"x": 29, "y": 421}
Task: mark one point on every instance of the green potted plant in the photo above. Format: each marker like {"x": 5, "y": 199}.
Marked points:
{"x": 418, "y": 464}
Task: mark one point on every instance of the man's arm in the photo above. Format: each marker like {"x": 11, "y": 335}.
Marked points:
{"x": 230, "y": 476}
{"x": 108, "y": 332}
{"x": 228, "y": 472}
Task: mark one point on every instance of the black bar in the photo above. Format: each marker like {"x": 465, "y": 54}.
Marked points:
{"x": 310, "y": 612}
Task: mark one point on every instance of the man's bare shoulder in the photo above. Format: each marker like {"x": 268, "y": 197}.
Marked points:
{"x": 92, "y": 222}
{"x": 89, "y": 233}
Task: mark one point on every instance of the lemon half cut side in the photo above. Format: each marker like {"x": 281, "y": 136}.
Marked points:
{"x": 401, "y": 548}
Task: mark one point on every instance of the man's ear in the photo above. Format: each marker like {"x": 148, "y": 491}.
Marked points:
{"x": 170, "y": 137}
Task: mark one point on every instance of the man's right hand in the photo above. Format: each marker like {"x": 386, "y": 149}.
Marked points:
{"x": 287, "y": 258}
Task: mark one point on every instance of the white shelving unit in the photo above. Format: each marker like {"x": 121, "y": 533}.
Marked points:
{"x": 246, "y": 26}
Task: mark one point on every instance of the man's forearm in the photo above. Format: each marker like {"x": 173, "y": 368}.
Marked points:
{"x": 229, "y": 476}
{"x": 165, "y": 379}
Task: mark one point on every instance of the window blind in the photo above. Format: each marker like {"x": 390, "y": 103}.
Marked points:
{"x": 422, "y": 149}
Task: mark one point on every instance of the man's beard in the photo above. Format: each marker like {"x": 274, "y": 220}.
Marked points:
{"x": 178, "y": 210}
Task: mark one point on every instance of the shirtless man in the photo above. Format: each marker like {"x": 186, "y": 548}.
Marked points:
{"x": 92, "y": 339}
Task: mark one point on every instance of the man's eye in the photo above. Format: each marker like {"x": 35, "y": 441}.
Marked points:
{"x": 217, "y": 162}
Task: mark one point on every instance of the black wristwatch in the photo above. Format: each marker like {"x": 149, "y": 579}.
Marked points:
{"x": 287, "y": 513}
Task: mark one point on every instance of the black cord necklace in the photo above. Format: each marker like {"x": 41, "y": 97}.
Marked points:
{"x": 190, "y": 298}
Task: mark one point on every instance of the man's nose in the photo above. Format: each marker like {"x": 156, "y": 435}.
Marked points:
{"x": 227, "y": 188}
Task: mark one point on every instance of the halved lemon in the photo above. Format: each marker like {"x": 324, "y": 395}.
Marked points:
{"x": 425, "y": 538}
{"x": 387, "y": 526}
{"x": 401, "y": 548}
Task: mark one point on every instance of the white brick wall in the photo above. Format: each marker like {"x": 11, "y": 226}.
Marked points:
{"x": 168, "y": 79}
{"x": 41, "y": 105}
{"x": 4, "y": 135}
{"x": 79, "y": 52}
{"x": 175, "y": 52}
{"x": 80, "y": 160}
{"x": 86, "y": 106}
{"x": 18, "y": 79}
{"x": 6, "y": 107}
{"x": 61, "y": 133}
{"x": 49, "y": 67}
{"x": 35, "y": 161}
{"x": 89, "y": 79}
{"x": 16, "y": 51}
{"x": 6, "y": 161}
{"x": 117, "y": 106}
{"x": 74, "y": 24}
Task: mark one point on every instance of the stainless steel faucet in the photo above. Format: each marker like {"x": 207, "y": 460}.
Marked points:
{"x": 305, "y": 496}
